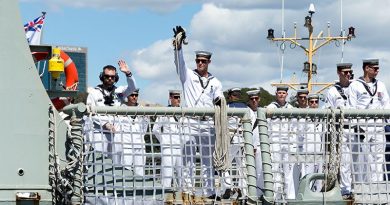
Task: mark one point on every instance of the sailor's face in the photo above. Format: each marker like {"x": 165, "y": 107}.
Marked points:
{"x": 345, "y": 75}
{"x": 109, "y": 77}
{"x": 281, "y": 96}
{"x": 313, "y": 103}
{"x": 372, "y": 70}
{"x": 175, "y": 100}
{"x": 202, "y": 64}
{"x": 132, "y": 99}
{"x": 302, "y": 100}
{"x": 254, "y": 102}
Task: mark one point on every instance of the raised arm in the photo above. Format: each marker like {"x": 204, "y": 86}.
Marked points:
{"x": 180, "y": 65}
{"x": 131, "y": 83}
{"x": 179, "y": 38}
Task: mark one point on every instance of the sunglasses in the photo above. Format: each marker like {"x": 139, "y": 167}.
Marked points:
{"x": 347, "y": 72}
{"x": 254, "y": 98}
{"x": 134, "y": 95}
{"x": 302, "y": 97}
{"x": 313, "y": 101}
{"x": 176, "y": 97}
{"x": 109, "y": 76}
{"x": 204, "y": 61}
{"x": 374, "y": 68}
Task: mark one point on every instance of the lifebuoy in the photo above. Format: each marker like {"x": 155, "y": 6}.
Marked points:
{"x": 72, "y": 79}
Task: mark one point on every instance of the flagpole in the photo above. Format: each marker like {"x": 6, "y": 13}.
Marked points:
{"x": 44, "y": 15}
{"x": 40, "y": 43}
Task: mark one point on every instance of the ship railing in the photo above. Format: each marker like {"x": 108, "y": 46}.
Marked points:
{"x": 172, "y": 164}
{"x": 302, "y": 156}
{"x": 314, "y": 156}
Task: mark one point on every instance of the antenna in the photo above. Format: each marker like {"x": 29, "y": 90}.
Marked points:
{"x": 341, "y": 30}
{"x": 283, "y": 45}
{"x": 311, "y": 49}
{"x": 312, "y": 10}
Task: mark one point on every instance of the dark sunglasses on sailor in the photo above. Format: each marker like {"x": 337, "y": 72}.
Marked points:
{"x": 176, "y": 97}
{"x": 302, "y": 96}
{"x": 347, "y": 72}
{"x": 254, "y": 98}
{"x": 109, "y": 76}
{"x": 204, "y": 61}
{"x": 313, "y": 101}
{"x": 134, "y": 95}
{"x": 374, "y": 67}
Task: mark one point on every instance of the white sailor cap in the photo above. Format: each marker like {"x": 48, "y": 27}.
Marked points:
{"x": 136, "y": 91}
{"x": 282, "y": 87}
{"x": 252, "y": 93}
{"x": 372, "y": 62}
{"x": 204, "y": 54}
{"x": 174, "y": 92}
{"x": 234, "y": 91}
{"x": 313, "y": 96}
{"x": 344, "y": 66}
{"x": 302, "y": 91}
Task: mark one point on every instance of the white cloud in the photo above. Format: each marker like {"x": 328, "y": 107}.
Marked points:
{"x": 235, "y": 32}
{"x": 243, "y": 57}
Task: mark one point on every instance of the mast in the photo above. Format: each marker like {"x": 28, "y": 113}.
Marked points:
{"x": 311, "y": 50}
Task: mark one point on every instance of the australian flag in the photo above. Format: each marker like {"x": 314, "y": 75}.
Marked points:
{"x": 33, "y": 30}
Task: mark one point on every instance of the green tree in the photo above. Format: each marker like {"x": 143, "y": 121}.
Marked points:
{"x": 265, "y": 97}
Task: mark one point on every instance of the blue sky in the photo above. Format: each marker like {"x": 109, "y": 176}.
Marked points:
{"x": 140, "y": 32}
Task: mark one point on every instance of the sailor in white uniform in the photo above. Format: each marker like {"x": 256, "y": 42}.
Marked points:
{"x": 367, "y": 92}
{"x": 200, "y": 89}
{"x": 302, "y": 97}
{"x": 99, "y": 129}
{"x": 283, "y": 143}
{"x": 312, "y": 147}
{"x": 253, "y": 104}
{"x": 130, "y": 141}
{"x": 236, "y": 153}
{"x": 337, "y": 97}
{"x": 168, "y": 130}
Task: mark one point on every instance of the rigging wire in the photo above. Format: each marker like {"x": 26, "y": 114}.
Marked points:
{"x": 341, "y": 30}
{"x": 282, "y": 47}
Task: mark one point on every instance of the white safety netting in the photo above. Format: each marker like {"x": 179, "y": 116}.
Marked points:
{"x": 155, "y": 159}
{"x": 353, "y": 152}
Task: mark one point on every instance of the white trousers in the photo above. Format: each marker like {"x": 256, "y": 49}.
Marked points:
{"x": 312, "y": 150}
{"x": 134, "y": 159}
{"x": 347, "y": 147}
{"x": 236, "y": 155}
{"x": 371, "y": 155}
{"x": 171, "y": 162}
{"x": 202, "y": 139}
{"x": 283, "y": 169}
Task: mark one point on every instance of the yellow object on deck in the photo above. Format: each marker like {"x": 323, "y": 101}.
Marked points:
{"x": 56, "y": 64}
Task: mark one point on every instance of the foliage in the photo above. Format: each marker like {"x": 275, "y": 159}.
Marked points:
{"x": 81, "y": 97}
{"x": 265, "y": 97}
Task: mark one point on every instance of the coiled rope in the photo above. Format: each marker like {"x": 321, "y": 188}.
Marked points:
{"x": 222, "y": 138}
